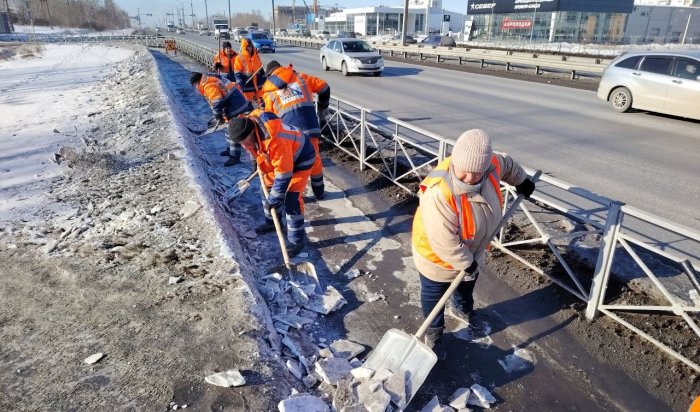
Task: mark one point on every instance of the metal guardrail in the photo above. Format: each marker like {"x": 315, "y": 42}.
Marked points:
{"x": 404, "y": 154}
{"x": 576, "y": 66}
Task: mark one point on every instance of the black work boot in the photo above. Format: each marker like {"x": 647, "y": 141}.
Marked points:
{"x": 433, "y": 340}
{"x": 319, "y": 194}
{"x": 226, "y": 152}
{"x": 232, "y": 161}
{"x": 266, "y": 227}
{"x": 294, "y": 249}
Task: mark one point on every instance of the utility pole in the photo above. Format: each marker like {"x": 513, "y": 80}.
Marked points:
{"x": 192, "y": 15}
{"x": 534, "y": 16}
{"x": 229, "y": 15}
{"x": 404, "y": 29}
{"x": 274, "y": 28}
{"x": 206, "y": 10}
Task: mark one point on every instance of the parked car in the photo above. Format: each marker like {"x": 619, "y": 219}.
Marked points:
{"x": 180, "y": 30}
{"x": 204, "y": 32}
{"x": 351, "y": 56}
{"x": 282, "y": 32}
{"x": 239, "y": 34}
{"x": 321, "y": 34}
{"x": 346, "y": 35}
{"x": 262, "y": 41}
{"x": 665, "y": 82}
{"x": 445, "y": 41}
{"x": 409, "y": 39}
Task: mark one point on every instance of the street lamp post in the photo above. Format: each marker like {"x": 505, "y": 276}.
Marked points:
{"x": 534, "y": 16}
{"x": 139, "y": 14}
{"x": 206, "y": 11}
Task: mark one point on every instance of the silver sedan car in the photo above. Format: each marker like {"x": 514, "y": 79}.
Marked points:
{"x": 351, "y": 56}
{"x": 665, "y": 82}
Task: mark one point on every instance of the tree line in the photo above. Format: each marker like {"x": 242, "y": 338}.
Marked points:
{"x": 92, "y": 14}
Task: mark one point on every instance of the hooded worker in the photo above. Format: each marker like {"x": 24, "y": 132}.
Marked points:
{"x": 248, "y": 71}
{"x": 226, "y": 101}
{"x": 223, "y": 61}
{"x": 460, "y": 204}
{"x": 290, "y": 95}
{"x": 284, "y": 155}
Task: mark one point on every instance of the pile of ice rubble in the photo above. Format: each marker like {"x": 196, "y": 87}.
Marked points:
{"x": 334, "y": 368}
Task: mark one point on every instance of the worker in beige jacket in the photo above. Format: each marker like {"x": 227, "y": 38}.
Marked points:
{"x": 460, "y": 205}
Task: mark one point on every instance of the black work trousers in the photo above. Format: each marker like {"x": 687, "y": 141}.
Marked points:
{"x": 431, "y": 292}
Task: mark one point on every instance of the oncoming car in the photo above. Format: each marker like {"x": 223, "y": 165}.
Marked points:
{"x": 665, "y": 82}
{"x": 262, "y": 41}
{"x": 351, "y": 56}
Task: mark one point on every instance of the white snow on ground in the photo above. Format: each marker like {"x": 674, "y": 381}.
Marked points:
{"x": 65, "y": 30}
{"x": 35, "y": 124}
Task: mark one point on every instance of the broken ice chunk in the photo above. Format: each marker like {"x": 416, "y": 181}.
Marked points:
{"x": 480, "y": 396}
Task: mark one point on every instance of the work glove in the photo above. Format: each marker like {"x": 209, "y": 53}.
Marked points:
{"x": 525, "y": 188}
{"x": 218, "y": 66}
{"x": 272, "y": 203}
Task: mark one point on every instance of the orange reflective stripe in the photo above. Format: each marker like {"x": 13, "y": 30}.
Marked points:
{"x": 495, "y": 180}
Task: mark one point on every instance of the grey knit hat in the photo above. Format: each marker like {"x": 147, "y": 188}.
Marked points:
{"x": 472, "y": 152}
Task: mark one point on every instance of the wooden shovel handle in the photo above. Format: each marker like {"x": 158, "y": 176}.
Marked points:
{"x": 276, "y": 220}
{"x": 448, "y": 293}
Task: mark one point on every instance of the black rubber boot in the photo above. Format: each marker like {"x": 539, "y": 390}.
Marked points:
{"x": 294, "y": 249}
{"x": 232, "y": 161}
{"x": 319, "y": 195}
{"x": 226, "y": 152}
{"x": 266, "y": 227}
{"x": 433, "y": 340}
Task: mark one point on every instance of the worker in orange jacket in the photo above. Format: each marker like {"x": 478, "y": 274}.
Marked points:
{"x": 290, "y": 95}
{"x": 223, "y": 61}
{"x": 226, "y": 101}
{"x": 285, "y": 156}
{"x": 460, "y": 205}
{"x": 248, "y": 71}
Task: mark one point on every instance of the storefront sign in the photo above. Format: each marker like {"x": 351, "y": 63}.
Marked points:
{"x": 516, "y": 24}
{"x": 524, "y": 6}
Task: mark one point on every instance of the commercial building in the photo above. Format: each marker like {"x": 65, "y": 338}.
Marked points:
{"x": 372, "y": 21}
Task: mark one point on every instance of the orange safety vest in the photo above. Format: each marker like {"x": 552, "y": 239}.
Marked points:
{"x": 459, "y": 204}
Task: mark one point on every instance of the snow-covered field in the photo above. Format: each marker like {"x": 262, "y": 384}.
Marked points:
{"x": 37, "y": 119}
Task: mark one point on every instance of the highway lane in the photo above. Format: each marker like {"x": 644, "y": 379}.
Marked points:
{"x": 645, "y": 160}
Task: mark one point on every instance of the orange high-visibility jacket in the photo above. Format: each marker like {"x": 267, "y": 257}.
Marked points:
{"x": 225, "y": 60}
{"x": 245, "y": 65}
{"x": 459, "y": 204}
{"x": 282, "y": 150}
{"x": 290, "y": 95}
{"x": 224, "y": 97}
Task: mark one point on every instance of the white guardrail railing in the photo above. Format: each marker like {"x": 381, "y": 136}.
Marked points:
{"x": 654, "y": 261}
{"x": 539, "y": 61}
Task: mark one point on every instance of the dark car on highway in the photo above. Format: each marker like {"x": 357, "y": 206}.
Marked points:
{"x": 444, "y": 41}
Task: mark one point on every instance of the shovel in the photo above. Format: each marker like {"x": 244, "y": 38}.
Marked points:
{"x": 302, "y": 272}
{"x": 400, "y": 352}
{"x": 202, "y": 133}
{"x": 239, "y": 188}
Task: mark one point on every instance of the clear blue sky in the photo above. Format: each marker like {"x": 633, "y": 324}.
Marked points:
{"x": 159, "y": 7}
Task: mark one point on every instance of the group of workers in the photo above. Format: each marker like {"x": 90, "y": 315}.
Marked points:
{"x": 460, "y": 201}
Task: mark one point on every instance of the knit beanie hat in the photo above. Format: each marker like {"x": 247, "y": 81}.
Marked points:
{"x": 239, "y": 128}
{"x": 271, "y": 67}
{"x": 472, "y": 152}
{"x": 226, "y": 44}
{"x": 195, "y": 77}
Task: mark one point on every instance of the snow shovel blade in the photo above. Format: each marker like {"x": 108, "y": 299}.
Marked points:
{"x": 400, "y": 352}
{"x": 302, "y": 273}
{"x": 236, "y": 191}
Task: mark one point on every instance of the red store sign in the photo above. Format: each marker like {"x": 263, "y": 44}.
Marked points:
{"x": 516, "y": 24}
